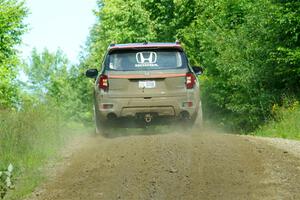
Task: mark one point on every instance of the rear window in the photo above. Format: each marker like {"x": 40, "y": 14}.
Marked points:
{"x": 146, "y": 60}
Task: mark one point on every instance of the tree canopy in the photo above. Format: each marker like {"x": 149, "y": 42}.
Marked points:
{"x": 12, "y": 13}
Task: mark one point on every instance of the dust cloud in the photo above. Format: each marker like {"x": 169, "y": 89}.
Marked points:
{"x": 172, "y": 163}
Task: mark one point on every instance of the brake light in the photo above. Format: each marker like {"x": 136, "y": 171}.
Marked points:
{"x": 190, "y": 80}
{"x": 103, "y": 82}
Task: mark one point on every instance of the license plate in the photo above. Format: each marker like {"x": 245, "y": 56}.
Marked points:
{"x": 147, "y": 84}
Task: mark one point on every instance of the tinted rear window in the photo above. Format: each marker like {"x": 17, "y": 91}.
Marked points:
{"x": 146, "y": 60}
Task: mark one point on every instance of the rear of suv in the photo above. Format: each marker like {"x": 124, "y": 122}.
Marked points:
{"x": 144, "y": 84}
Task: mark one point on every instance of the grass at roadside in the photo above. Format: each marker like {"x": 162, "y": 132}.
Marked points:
{"x": 286, "y": 125}
{"x": 27, "y": 140}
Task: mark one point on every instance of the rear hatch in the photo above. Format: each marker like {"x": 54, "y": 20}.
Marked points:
{"x": 146, "y": 73}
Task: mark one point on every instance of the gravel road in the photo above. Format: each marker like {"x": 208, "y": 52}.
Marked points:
{"x": 173, "y": 166}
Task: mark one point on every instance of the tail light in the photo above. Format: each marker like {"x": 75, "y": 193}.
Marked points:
{"x": 190, "y": 80}
{"x": 103, "y": 82}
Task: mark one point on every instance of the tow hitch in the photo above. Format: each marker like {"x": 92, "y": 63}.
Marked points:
{"x": 148, "y": 118}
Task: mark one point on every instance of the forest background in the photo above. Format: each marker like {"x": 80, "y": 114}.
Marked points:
{"x": 250, "y": 51}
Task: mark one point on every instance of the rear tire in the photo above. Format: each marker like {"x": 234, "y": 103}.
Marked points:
{"x": 101, "y": 127}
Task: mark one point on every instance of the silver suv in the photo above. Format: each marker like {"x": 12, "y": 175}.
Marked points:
{"x": 141, "y": 84}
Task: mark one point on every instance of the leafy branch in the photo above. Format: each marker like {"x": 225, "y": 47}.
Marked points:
{"x": 6, "y": 183}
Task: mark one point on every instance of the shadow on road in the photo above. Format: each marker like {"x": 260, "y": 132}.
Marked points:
{"x": 152, "y": 130}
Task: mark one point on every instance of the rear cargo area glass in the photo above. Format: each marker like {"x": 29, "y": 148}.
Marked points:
{"x": 140, "y": 60}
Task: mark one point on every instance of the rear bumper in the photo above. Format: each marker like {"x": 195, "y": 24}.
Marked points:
{"x": 160, "y": 106}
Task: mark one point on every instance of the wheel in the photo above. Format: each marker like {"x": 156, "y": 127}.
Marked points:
{"x": 101, "y": 127}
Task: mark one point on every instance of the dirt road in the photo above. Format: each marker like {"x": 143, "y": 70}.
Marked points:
{"x": 175, "y": 166}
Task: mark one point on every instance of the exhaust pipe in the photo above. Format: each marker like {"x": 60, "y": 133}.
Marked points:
{"x": 184, "y": 115}
{"x": 148, "y": 118}
{"x": 111, "y": 116}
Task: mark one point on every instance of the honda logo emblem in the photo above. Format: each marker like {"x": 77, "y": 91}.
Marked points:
{"x": 146, "y": 58}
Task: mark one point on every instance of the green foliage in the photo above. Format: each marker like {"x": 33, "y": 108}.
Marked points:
{"x": 45, "y": 72}
{"x": 52, "y": 97}
{"x": 118, "y": 21}
{"x": 285, "y": 57}
{"x": 6, "y": 180}
{"x": 35, "y": 116}
{"x": 24, "y": 131}
{"x": 285, "y": 125}
{"x": 12, "y": 13}
{"x": 236, "y": 41}
{"x": 52, "y": 80}
{"x": 28, "y": 139}
{"x": 81, "y": 99}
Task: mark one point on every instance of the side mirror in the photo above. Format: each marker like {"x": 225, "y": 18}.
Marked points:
{"x": 91, "y": 73}
{"x": 198, "y": 70}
